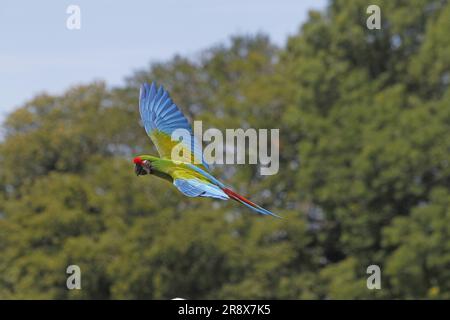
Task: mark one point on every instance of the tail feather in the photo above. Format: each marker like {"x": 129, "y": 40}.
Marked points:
{"x": 233, "y": 195}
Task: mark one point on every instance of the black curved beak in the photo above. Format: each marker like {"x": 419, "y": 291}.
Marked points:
{"x": 139, "y": 170}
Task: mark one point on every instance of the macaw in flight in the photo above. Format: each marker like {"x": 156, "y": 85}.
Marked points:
{"x": 160, "y": 117}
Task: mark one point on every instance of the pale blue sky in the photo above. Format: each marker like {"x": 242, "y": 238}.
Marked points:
{"x": 38, "y": 53}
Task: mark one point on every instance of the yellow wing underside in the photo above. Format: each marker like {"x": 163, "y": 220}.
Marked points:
{"x": 174, "y": 150}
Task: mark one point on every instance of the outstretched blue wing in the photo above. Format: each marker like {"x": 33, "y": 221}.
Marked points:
{"x": 161, "y": 117}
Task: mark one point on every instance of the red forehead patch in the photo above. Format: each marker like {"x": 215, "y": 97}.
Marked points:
{"x": 137, "y": 160}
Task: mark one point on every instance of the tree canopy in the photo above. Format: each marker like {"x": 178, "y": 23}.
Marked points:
{"x": 364, "y": 176}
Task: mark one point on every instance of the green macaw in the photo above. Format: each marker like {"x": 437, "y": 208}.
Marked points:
{"x": 161, "y": 117}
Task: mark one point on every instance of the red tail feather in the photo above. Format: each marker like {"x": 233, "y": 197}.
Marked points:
{"x": 236, "y": 196}
{"x": 233, "y": 195}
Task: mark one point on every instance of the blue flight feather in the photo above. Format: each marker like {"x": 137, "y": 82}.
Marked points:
{"x": 198, "y": 188}
{"x": 158, "y": 112}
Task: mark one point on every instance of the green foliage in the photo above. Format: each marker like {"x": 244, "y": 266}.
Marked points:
{"x": 364, "y": 177}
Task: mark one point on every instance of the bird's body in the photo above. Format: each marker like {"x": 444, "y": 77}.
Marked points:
{"x": 182, "y": 175}
{"x": 190, "y": 174}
